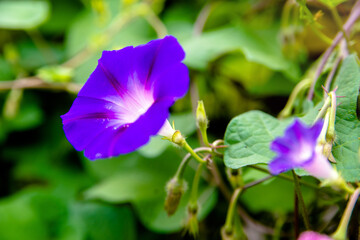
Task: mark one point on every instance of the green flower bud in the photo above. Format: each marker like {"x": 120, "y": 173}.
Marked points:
{"x": 201, "y": 118}
{"x": 175, "y": 189}
{"x": 192, "y": 226}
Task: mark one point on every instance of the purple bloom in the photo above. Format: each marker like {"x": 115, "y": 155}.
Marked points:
{"x": 310, "y": 235}
{"x": 127, "y": 99}
{"x": 299, "y": 148}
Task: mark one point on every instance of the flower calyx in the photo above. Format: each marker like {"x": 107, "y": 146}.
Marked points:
{"x": 175, "y": 189}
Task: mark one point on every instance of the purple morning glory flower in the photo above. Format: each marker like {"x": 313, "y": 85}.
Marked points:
{"x": 299, "y": 148}
{"x": 127, "y": 99}
{"x": 310, "y": 235}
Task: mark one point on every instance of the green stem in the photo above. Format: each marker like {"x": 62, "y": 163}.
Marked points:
{"x": 187, "y": 147}
{"x": 320, "y": 35}
{"x": 302, "y": 85}
{"x": 205, "y": 138}
{"x": 301, "y": 200}
{"x": 323, "y": 110}
{"x": 155, "y": 22}
{"x": 231, "y": 211}
{"x": 195, "y": 187}
{"x": 181, "y": 169}
{"x": 341, "y": 231}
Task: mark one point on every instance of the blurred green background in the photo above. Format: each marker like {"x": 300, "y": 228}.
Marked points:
{"x": 242, "y": 55}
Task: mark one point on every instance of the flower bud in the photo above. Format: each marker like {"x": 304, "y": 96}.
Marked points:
{"x": 201, "y": 118}
{"x": 192, "y": 226}
{"x": 175, "y": 188}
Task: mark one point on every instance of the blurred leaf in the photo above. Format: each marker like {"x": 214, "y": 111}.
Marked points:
{"x": 6, "y": 71}
{"x": 257, "y": 46}
{"x": 332, "y": 3}
{"x": 85, "y": 32}
{"x": 94, "y": 221}
{"x": 256, "y": 78}
{"x": 21, "y": 219}
{"x": 29, "y": 115}
{"x": 142, "y": 182}
{"x": 23, "y": 14}
{"x": 32, "y": 57}
{"x": 58, "y": 22}
{"x": 179, "y": 20}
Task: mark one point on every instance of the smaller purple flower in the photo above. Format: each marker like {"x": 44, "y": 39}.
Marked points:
{"x": 310, "y": 235}
{"x": 299, "y": 148}
{"x": 126, "y": 99}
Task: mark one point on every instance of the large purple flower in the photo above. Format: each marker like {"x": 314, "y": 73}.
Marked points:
{"x": 299, "y": 148}
{"x": 127, "y": 98}
{"x": 310, "y": 235}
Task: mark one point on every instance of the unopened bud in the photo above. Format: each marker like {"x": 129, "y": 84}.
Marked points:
{"x": 192, "y": 225}
{"x": 201, "y": 118}
{"x": 175, "y": 189}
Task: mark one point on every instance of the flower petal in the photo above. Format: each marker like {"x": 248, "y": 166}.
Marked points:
{"x": 280, "y": 164}
{"x": 109, "y": 79}
{"x": 156, "y": 57}
{"x": 87, "y": 118}
{"x": 128, "y": 138}
{"x": 173, "y": 83}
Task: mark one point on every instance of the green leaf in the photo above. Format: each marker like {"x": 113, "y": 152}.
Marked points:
{"x": 142, "y": 182}
{"x": 19, "y": 221}
{"x": 249, "y": 135}
{"x": 347, "y": 125}
{"x": 23, "y": 14}
{"x": 257, "y": 46}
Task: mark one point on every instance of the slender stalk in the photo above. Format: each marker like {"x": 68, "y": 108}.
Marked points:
{"x": 296, "y": 215}
{"x": 331, "y": 75}
{"x": 201, "y": 19}
{"x": 301, "y": 200}
{"x": 354, "y": 15}
{"x": 187, "y": 147}
{"x": 109, "y": 33}
{"x": 341, "y": 231}
{"x": 37, "y": 83}
{"x": 320, "y": 35}
{"x": 254, "y": 183}
{"x": 323, "y": 109}
{"x": 181, "y": 169}
{"x": 219, "y": 180}
{"x": 231, "y": 211}
{"x": 301, "y": 86}
{"x": 339, "y": 23}
{"x": 156, "y": 23}
{"x": 285, "y": 177}
{"x": 195, "y": 187}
